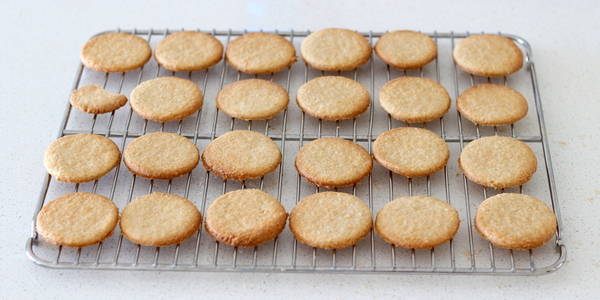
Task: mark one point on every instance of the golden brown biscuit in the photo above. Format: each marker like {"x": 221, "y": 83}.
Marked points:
{"x": 498, "y": 162}
{"x": 252, "y": 99}
{"x": 159, "y": 219}
{"x": 81, "y": 157}
{"x": 77, "y": 220}
{"x": 411, "y": 151}
{"x": 161, "y": 155}
{"x": 330, "y": 220}
{"x": 188, "y": 51}
{"x": 241, "y": 155}
{"x": 414, "y": 99}
{"x": 515, "y": 221}
{"x": 333, "y": 98}
{"x": 260, "y": 53}
{"x": 335, "y": 49}
{"x": 333, "y": 162}
{"x": 165, "y": 99}
{"x": 406, "y": 49}
{"x": 417, "y": 222}
{"x": 245, "y": 218}
{"x": 115, "y": 52}
{"x": 95, "y": 100}
{"x": 492, "y": 105}
{"x": 488, "y": 55}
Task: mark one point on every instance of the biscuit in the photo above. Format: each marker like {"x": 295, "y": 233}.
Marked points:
{"x": 252, "y": 99}
{"x": 166, "y": 99}
{"x": 333, "y": 162}
{"x": 245, "y": 218}
{"x": 492, "y": 105}
{"x": 330, "y": 220}
{"x": 410, "y": 151}
{"x": 77, "y": 220}
{"x": 515, "y": 221}
{"x": 414, "y": 99}
{"x": 188, "y": 51}
{"x": 81, "y": 157}
{"x": 241, "y": 155}
{"x": 159, "y": 219}
{"x": 417, "y": 222}
{"x": 488, "y": 55}
{"x": 333, "y": 98}
{"x": 260, "y": 53}
{"x": 115, "y": 52}
{"x": 498, "y": 162}
{"x": 406, "y": 49}
{"x": 161, "y": 155}
{"x": 95, "y": 100}
{"x": 335, "y": 49}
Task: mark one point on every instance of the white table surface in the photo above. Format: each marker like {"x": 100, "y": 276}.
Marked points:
{"x": 40, "y": 51}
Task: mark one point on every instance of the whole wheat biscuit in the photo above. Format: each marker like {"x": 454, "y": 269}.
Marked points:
{"x": 333, "y": 98}
{"x": 260, "y": 53}
{"x": 411, "y": 151}
{"x": 335, "y": 49}
{"x": 245, "y": 218}
{"x": 492, "y": 105}
{"x": 417, "y": 222}
{"x": 333, "y": 162}
{"x": 488, "y": 55}
{"x": 115, "y": 52}
{"x": 188, "y": 51}
{"x": 159, "y": 219}
{"x": 81, "y": 157}
{"x": 515, "y": 221}
{"x": 95, "y": 100}
{"x": 330, "y": 220}
{"x": 166, "y": 99}
{"x": 241, "y": 155}
{"x": 406, "y": 49}
{"x": 252, "y": 99}
{"x": 77, "y": 219}
{"x": 498, "y": 162}
{"x": 414, "y": 99}
{"x": 161, "y": 155}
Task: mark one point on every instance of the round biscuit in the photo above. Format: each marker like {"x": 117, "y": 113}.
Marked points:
{"x": 333, "y": 98}
{"x": 252, "y": 99}
{"x": 488, "y": 55}
{"x": 94, "y": 99}
{"x": 406, "y": 49}
{"x": 188, "y": 51}
{"x": 335, "y": 49}
{"x": 260, "y": 53}
{"x": 492, "y": 105}
{"x": 115, "y": 52}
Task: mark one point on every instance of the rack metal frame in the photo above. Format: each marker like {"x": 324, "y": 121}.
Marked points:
{"x": 57, "y": 258}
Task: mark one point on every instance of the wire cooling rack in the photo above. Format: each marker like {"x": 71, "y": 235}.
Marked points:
{"x": 467, "y": 253}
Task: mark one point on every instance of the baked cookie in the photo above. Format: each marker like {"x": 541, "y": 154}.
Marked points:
{"x": 515, "y": 221}
{"x": 414, "y": 99}
{"x": 159, "y": 219}
{"x": 410, "y": 151}
{"x": 166, "y": 99}
{"x": 241, "y": 155}
{"x": 81, "y": 157}
{"x": 260, "y": 53}
{"x": 245, "y": 218}
{"x": 498, "y": 162}
{"x": 492, "y": 105}
{"x": 95, "y": 100}
{"x": 330, "y": 220}
{"x": 188, "y": 51}
{"x": 161, "y": 155}
{"x": 252, "y": 99}
{"x": 115, "y": 52}
{"x": 335, "y": 49}
{"x": 417, "y": 222}
{"x": 77, "y": 220}
{"x": 333, "y": 98}
{"x": 406, "y": 49}
{"x": 488, "y": 55}
{"x": 333, "y": 162}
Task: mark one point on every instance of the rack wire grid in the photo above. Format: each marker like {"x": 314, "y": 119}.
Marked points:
{"x": 467, "y": 253}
